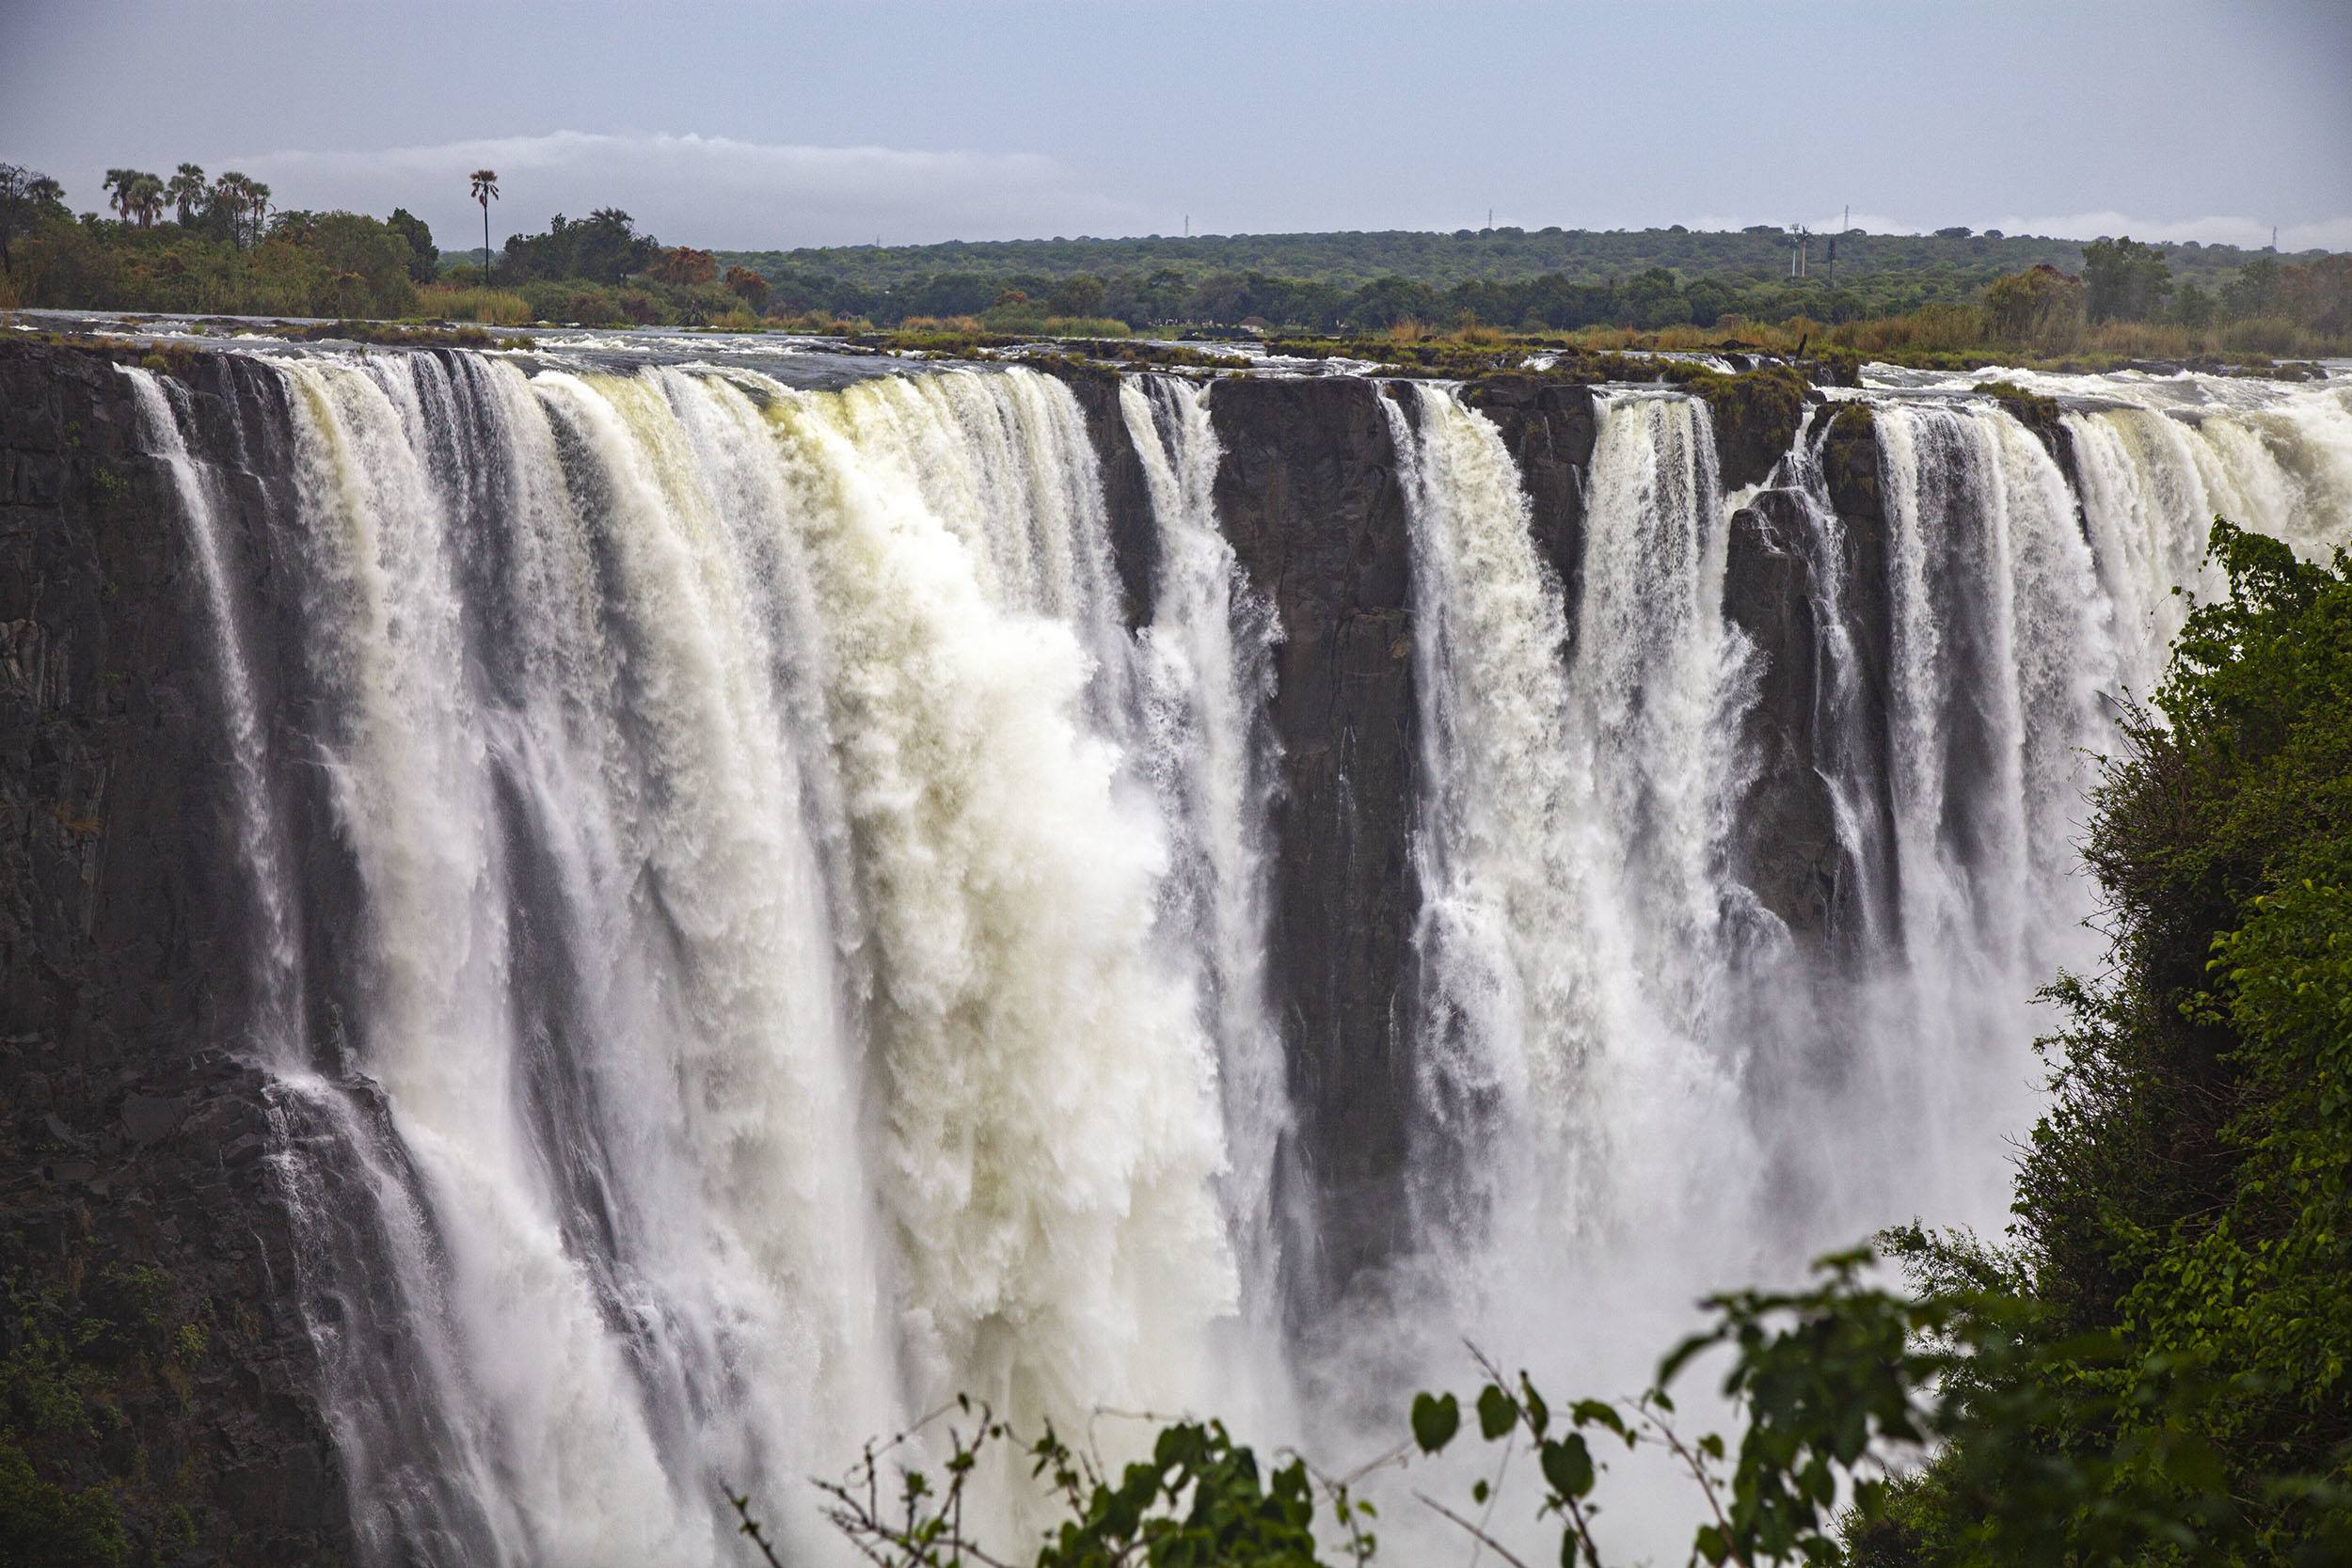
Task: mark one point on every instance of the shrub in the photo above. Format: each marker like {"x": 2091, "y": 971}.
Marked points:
{"x": 574, "y": 300}
{"x": 42, "y": 1523}
{"x": 2041, "y": 308}
{"x": 458, "y": 302}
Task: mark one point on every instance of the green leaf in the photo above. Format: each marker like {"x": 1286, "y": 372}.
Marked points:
{"x": 1712, "y": 1545}
{"x": 1478, "y": 1491}
{"x": 1568, "y": 1466}
{"x": 1436, "y": 1420}
{"x": 1538, "y": 1412}
{"x": 1497, "y": 1410}
{"x": 1598, "y": 1412}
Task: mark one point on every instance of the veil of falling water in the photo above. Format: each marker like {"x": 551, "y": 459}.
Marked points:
{"x": 800, "y": 955}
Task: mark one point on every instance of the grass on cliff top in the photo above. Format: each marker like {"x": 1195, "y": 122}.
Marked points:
{"x": 1943, "y": 338}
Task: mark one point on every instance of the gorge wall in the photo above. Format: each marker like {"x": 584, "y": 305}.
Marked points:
{"x": 571, "y": 931}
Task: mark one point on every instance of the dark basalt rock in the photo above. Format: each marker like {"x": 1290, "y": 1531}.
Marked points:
{"x": 1850, "y": 465}
{"x": 1135, "y": 539}
{"x": 1786, "y": 851}
{"x": 1309, "y": 495}
{"x": 141, "y": 1221}
{"x": 1550, "y": 428}
{"x": 1756, "y": 415}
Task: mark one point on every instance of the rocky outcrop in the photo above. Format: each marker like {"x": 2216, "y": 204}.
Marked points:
{"x": 1787, "y": 848}
{"x": 1778, "y": 584}
{"x": 1134, "y": 540}
{"x": 155, "y": 1347}
{"x": 1550, "y": 428}
{"x": 1309, "y": 495}
{"x": 1755, "y": 415}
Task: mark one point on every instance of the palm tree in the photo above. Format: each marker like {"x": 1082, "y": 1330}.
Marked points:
{"x": 186, "y": 190}
{"x": 146, "y": 200}
{"x": 231, "y": 193}
{"x": 119, "y": 182}
{"x": 257, "y": 193}
{"x": 485, "y": 190}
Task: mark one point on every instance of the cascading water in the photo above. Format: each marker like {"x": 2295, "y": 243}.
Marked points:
{"x": 1208, "y": 677}
{"x": 762, "y": 971}
{"x": 801, "y": 954}
{"x": 1572, "y": 814}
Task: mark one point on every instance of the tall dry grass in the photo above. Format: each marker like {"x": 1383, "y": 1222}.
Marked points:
{"x": 460, "y": 302}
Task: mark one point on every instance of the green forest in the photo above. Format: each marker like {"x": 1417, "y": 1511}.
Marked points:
{"x": 211, "y": 244}
{"x": 1309, "y": 279}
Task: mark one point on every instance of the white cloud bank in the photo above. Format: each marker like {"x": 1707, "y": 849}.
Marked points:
{"x": 2327, "y": 234}
{"x": 709, "y": 190}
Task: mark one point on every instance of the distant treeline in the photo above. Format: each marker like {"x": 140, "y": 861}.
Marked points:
{"x": 1548, "y": 279}
{"x": 1953, "y": 257}
{"x": 2312, "y": 293}
{"x": 211, "y": 244}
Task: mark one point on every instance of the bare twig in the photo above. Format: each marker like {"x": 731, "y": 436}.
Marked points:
{"x": 1698, "y": 1472}
{"x": 742, "y": 1502}
{"x": 1500, "y": 1549}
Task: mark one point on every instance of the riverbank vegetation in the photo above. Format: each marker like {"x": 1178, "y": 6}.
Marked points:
{"x": 194, "y": 243}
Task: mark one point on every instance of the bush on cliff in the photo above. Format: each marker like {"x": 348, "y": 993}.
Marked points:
{"x": 44, "y": 1526}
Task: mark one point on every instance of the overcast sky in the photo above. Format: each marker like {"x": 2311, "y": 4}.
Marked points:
{"x": 784, "y": 124}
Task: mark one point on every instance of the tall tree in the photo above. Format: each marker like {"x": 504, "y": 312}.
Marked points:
{"x": 26, "y": 196}
{"x": 232, "y": 193}
{"x": 424, "y": 255}
{"x": 485, "y": 190}
{"x": 145, "y": 200}
{"x": 120, "y": 184}
{"x": 2125, "y": 280}
{"x": 187, "y": 189}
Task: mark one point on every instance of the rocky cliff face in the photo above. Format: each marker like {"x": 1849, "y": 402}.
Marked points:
{"x": 154, "y": 1345}
{"x": 138, "y": 1186}
{"x": 1309, "y": 495}
{"x": 1787, "y": 841}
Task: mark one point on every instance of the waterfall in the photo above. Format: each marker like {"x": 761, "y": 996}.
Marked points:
{"x": 750, "y": 941}
{"x": 277, "y": 978}
{"x": 1573, "y": 808}
{"x": 766, "y": 1025}
{"x": 1208, "y": 657}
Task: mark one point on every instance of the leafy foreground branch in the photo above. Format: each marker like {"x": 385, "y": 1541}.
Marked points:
{"x": 1837, "y": 1386}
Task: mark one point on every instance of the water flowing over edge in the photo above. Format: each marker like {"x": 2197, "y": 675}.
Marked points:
{"x": 811, "y": 955}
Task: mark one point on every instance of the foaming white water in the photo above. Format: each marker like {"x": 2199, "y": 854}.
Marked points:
{"x": 1048, "y": 1111}
{"x": 1584, "y": 1168}
{"x": 2003, "y": 670}
{"x": 1208, "y": 677}
{"x": 1578, "y": 1119}
{"x": 2153, "y": 480}
{"x": 2002, "y": 656}
{"x": 761, "y": 957}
